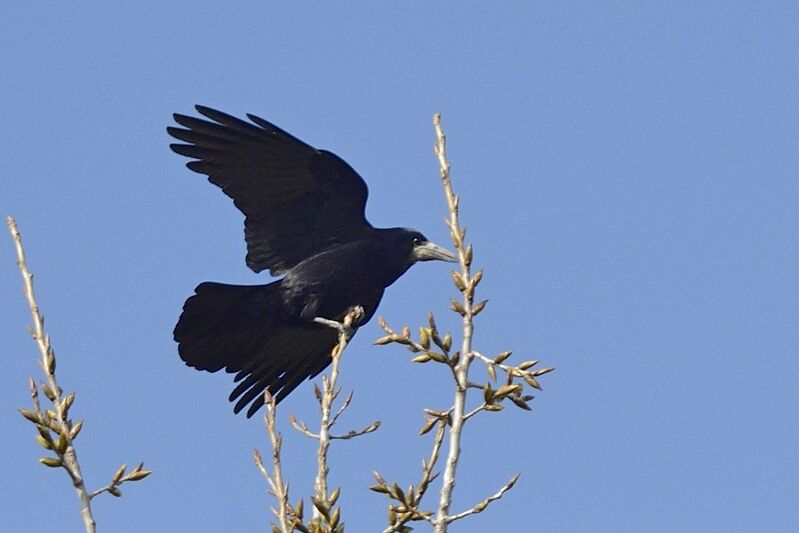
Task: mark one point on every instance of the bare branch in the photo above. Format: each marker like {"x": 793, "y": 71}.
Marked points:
{"x": 480, "y": 507}
{"x": 466, "y": 309}
{"x": 329, "y": 394}
{"x": 344, "y": 405}
{"x": 56, "y": 430}
{"x": 474, "y": 411}
{"x": 357, "y": 433}
{"x": 279, "y": 489}
{"x": 413, "y": 512}
{"x": 302, "y": 427}
{"x": 67, "y": 456}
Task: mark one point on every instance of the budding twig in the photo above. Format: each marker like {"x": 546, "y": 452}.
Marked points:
{"x": 329, "y": 394}
{"x": 56, "y": 430}
{"x": 480, "y": 507}
{"x": 450, "y": 422}
{"x": 327, "y": 517}
{"x": 461, "y": 370}
{"x": 275, "y": 480}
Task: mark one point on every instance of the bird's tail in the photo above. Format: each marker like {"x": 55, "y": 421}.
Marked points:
{"x": 243, "y": 330}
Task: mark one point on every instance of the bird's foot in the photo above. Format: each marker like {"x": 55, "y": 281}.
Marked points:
{"x": 344, "y": 328}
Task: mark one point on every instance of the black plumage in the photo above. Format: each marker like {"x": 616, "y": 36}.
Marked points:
{"x": 304, "y": 220}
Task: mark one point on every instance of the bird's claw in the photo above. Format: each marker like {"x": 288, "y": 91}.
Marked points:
{"x": 344, "y": 328}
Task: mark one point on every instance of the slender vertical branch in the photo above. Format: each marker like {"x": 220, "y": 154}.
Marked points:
{"x": 329, "y": 394}
{"x": 68, "y": 458}
{"x": 432, "y": 346}
{"x": 461, "y": 369}
{"x": 326, "y": 516}
{"x": 56, "y": 430}
{"x": 323, "y": 501}
{"x": 275, "y": 480}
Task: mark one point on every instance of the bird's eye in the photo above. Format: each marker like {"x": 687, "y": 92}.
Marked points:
{"x": 416, "y": 241}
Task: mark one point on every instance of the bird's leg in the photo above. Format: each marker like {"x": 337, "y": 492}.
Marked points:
{"x": 344, "y": 328}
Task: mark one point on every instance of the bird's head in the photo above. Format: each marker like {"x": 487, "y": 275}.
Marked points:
{"x": 420, "y": 248}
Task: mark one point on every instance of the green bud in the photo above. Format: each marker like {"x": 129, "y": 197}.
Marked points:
{"x": 51, "y": 462}
{"x": 30, "y": 415}
{"x": 424, "y": 337}
{"x": 75, "y": 430}
{"x": 118, "y": 474}
{"x": 479, "y": 307}
{"x": 502, "y": 356}
{"x": 46, "y": 443}
{"x": 334, "y": 496}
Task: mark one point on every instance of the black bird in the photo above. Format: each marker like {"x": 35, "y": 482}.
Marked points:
{"x": 304, "y": 220}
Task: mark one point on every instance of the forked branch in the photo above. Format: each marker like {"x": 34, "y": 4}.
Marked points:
{"x": 56, "y": 430}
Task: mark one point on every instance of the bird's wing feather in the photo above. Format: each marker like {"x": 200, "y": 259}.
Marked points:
{"x": 297, "y": 200}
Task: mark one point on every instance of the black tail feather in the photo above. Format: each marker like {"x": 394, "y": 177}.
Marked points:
{"x": 242, "y": 329}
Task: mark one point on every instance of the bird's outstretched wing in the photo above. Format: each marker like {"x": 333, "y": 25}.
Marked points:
{"x": 297, "y": 200}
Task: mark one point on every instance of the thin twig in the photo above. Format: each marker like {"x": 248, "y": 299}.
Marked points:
{"x": 427, "y": 478}
{"x": 56, "y": 430}
{"x": 275, "y": 480}
{"x": 474, "y": 411}
{"x": 480, "y": 507}
{"x": 121, "y": 477}
{"x": 329, "y": 394}
{"x": 461, "y": 370}
{"x": 344, "y": 405}
{"x": 357, "y": 432}
{"x": 302, "y": 427}
{"x": 68, "y": 457}
{"x": 452, "y": 420}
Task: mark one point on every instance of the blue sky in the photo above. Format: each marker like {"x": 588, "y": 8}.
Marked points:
{"x": 628, "y": 174}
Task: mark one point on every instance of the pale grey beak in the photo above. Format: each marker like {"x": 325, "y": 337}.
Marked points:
{"x": 429, "y": 251}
